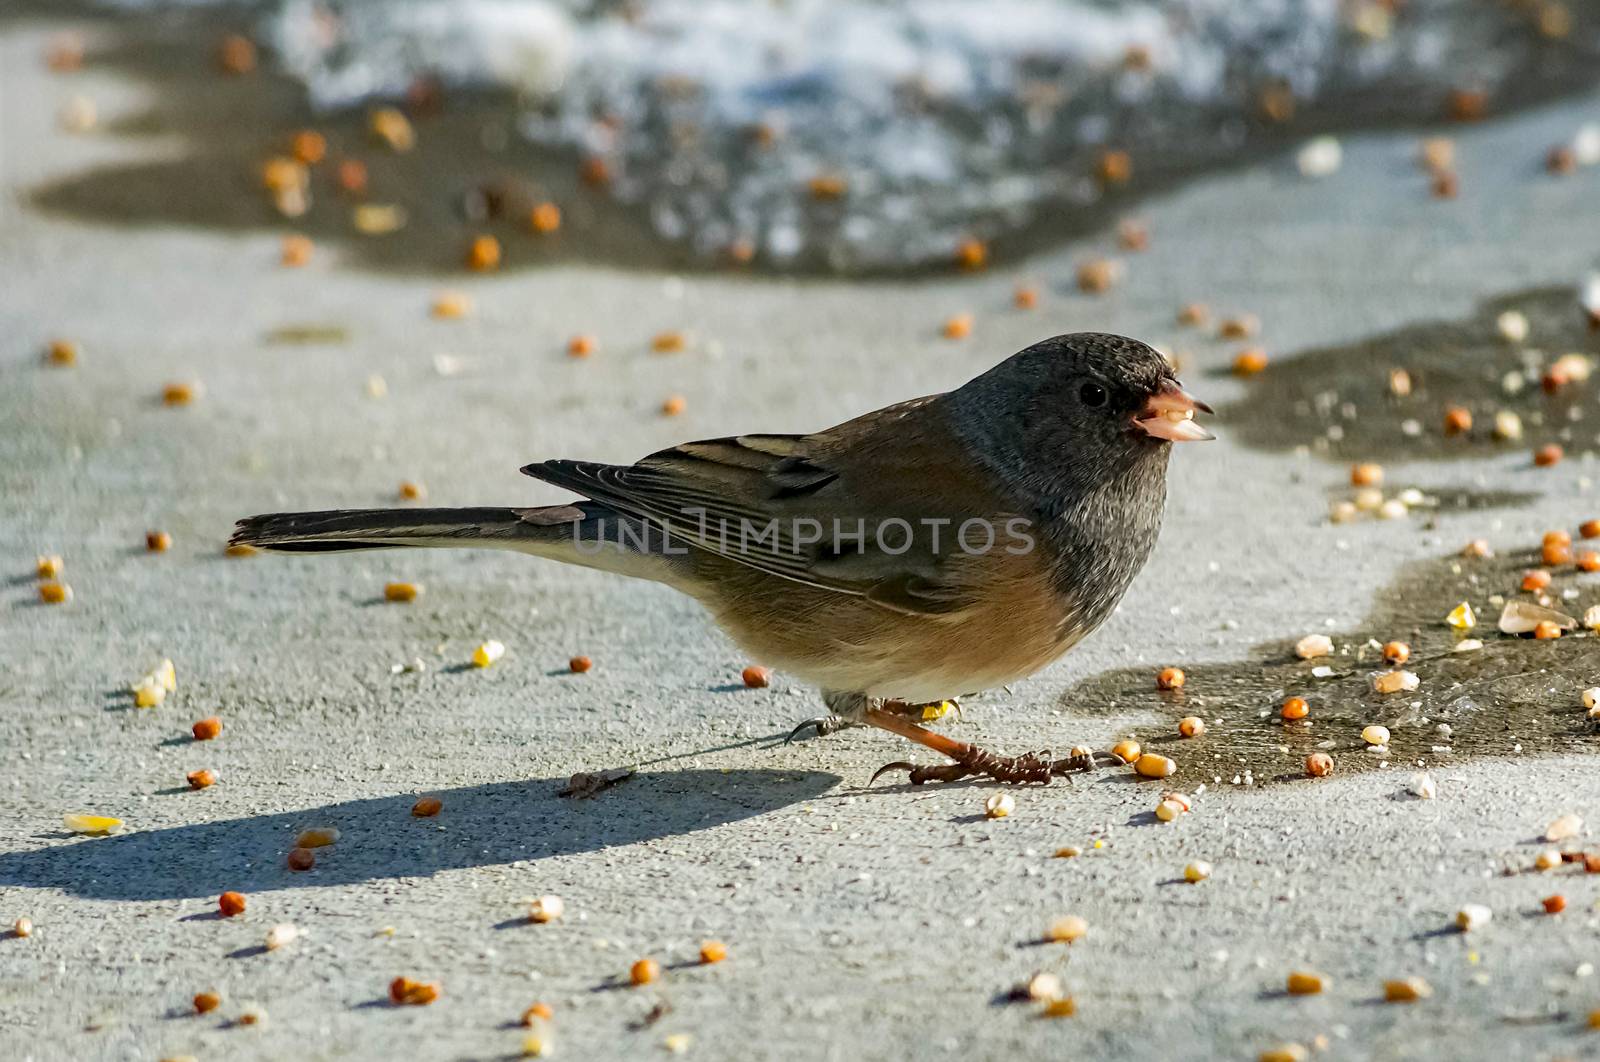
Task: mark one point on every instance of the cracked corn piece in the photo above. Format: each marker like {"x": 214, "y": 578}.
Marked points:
{"x": 94, "y": 825}
{"x": 487, "y": 653}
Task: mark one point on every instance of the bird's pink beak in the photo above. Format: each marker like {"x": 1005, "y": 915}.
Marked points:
{"x": 1169, "y": 414}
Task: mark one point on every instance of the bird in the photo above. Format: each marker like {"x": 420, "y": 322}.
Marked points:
{"x": 929, "y": 550}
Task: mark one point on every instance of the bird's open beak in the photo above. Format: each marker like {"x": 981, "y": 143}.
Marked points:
{"x": 1169, "y": 414}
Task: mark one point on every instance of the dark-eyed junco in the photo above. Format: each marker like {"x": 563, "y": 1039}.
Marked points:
{"x": 933, "y": 548}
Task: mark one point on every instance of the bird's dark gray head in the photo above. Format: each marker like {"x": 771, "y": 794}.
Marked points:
{"x": 1073, "y": 411}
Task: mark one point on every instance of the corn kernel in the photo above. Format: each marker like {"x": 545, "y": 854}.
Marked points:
{"x": 999, "y": 805}
{"x": 713, "y": 951}
{"x": 957, "y": 327}
{"x": 1295, "y": 708}
{"x": 487, "y": 653}
{"x": 391, "y": 127}
{"x": 1564, "y": 828}
{"x": 240, "y": 549}
{"x": 1396, "y": 653}
{"x": 295, "y": 251}
{"x": 94, "y": 825}
{"x": 644, "y": 971}
{"x": 148, "y": 693}
{"x": 317, "y": 837}
{"x": 1473, "y": 916}
{"x": 1407, "y": 990}
{"x": 404, "y": 992}
{"x": 180, "y": 393}
{"x": 545, "y": 218}
{"x": 1319, "y": 765}
{"x": 677, "y": 1043}
{"x": 1191, "y": 726}
{"x": 579, "y": 664}
{"x": 1153, "y": 765}
{"x": 1548, "y": 455}
{"x": 1026, "y": 297}
{"x": 1250, "y": 361}
{"x": 451, "y": 305}
{"x": 427, "y": 807}
{"x": 157, "y": 541}
{"x": 1375, "y": 735}
{"x": 1457, "y": 420}
{"x": 201, "y": 779}
{"x": 1196, "y": 872}
{"x": 1554, "y": 904}
{"x": 1170, "y": 678}
{"x": 1283, "y": 1053}
{"x": 756, "y": 678}
{"x": 669, "y": 342}
{"x": 206, "y": 1002}
{"x": 55, "y": 593}
{"x": 1313, "y": 646}
{"x": 1395, "y": 681}
{"x": 483, "y": 254}
{"x": 412, "y": 491}
{"x": 1366, "y": 475}
{"x": 1306, "y": 983}
{"x": 207, "y": 728}
{"x": 1126, "y": 751}
{"x": 1043, "y": 986}
{"x": 1545, "y": 630}
{"x": 230, "y": 904}
{"x": 403, "y": 592}
{"x": 49, "y": 567}
{"x": 1193, "y": 314}
{"x": 673, "y": 406}
{"x": 1462, "y": 617}
{"x": 1169, "y": 810}
{"x": 236, "y": 54}
{"x": 1068, "y": 929}
{"x": 62, "y": 352}
{"x": 581, "y": 346}
{"x": 1064, "y": 1007}
{"x": 1097, "y": 275}
{"x": 22, "y": 927}
{"x": 1548, "y": 859}
{"x": 536, "y": 1013}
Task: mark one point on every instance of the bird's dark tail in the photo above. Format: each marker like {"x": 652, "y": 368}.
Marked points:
{"x": 541, "y": 530}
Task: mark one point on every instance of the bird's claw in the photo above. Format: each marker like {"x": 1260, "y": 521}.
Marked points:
{"x": 1030, "y": 767}
{"x": 822, "y": 724}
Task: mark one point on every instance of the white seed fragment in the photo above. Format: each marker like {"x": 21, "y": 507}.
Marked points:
{"x": 1068, "y": 929}
{"x": 1369, "y": 499}
{"x": 1548, "y": 859}
{"x": 1521, "y": 617}
{"x": 1393, "y": 509}
{"x": 1312, "y": 646}
{"x": 1422, "y": 786}
{"x": 1565, "y": 828}
{"x": 1507, "y": 425}
{"x": 282, "y": 934}
{"x": 999, "y": 806}
{"x": 1395, "y": 681}
{"x": 1467, "y": 645}
{"x": 1375, "y": 735}
{"x": 1197, "y": 872}
{"x": 1591, "y": 696}
{"x": 1343, "y": 512}
{"x": 1591, "y": 617}
{"x": 1319, "y": 157}
{"x": 1513, "y": 326}
{"x": 1044, "y": 985}
{"x": 1473, "y": 916}
{"x": 1169, "y": 810}
{"x": 546, "y": 908}
{"x": 487, "y": 653}
{"x": 1462, "y": 617}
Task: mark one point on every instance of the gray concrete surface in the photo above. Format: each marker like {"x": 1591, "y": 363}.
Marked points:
{"x": 861, "y": 925}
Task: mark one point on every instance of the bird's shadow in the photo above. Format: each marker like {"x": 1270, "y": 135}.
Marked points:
{"x": 484, "y": 825}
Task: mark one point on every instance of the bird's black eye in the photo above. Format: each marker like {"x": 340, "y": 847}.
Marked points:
{"x": 1092, "y": 394}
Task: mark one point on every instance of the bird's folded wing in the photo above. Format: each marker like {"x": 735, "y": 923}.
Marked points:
{"x": 778, "y": 503}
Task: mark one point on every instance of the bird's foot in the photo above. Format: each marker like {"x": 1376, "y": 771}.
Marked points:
{"x": 822, "y": 724}
{"x": 1030, "y": 767}
{"x": 837, "y": 721}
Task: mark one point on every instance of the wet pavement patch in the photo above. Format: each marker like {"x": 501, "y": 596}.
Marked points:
{"x": 1514, "y": 697}
{"x": 1342, "y": 402}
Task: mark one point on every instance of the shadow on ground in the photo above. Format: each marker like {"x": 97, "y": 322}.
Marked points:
{"x": 482, "y": 825}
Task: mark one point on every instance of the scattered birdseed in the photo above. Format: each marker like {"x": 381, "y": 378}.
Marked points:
{"x": 392, "y": 128}
{"x": 1194, "y": 314}
{"x": 181, "y": 394}
{"x": 405, "y": 592}
{"x": 1069, "y": 851}
{"x": 1545, "y": 630}
{"x": 236, "y": 54}
{"x": 1064, "y": 1007}
{"x": 1473, "y": 916}
{"x": 301, "y": 859}
{"x": 957, "y": 327}
{"x": 1547, "y": 455}
{"x": 253, "y": 1014}
{"x": 22, "y": 927}
{"x": 1066, "y": 930}
{"x": 544, "y": 218}
{"x": 1026, "y": 297}
{"x": 756, "y": 677}
{"x": 1169, "y": 810}
{"x": 1395, "y": 681}
{"x": 93, "y": 825}
{"x": 581, "y": 346}
{"x": 644, "y": 971}
{"x": 380, "y": 219}
{"x": 1375, "y": 735}
{"x": 206, "y": 1002}
{"x": 230, "y": 904}
{"x": 1249, "y": 362}
{"x": 1284, "y": 1053}
{"x": 55, "y": 593}
{"x": 669, "y": 342}
{"x": 1478, "y": 547}
{"x": 544, "y": 909}
{"x": 1312, "y": 646}
{"x": 1548, "y": 859}
{"x": 1196, "y": 872}
{"x": 972, "y": 254}
{"x": 487, "y": 653}
{"x": 1554, "y": 904}
{"x": 1097, "y": 275}
{"x": 1564, "y": 828}
{"x": 427, "y": 807}
{"x": 677, "y": 1043}
{"x": 1396, "y": 653}
{"x": 1170, "y": 678}
{"x": 1043, "y": 986}
{"x": 1406, "y": 990}
{"x": 404, "y": 992}
{"x": 202, "y": 779}
{"x": 1154, "y": 765}
{"x": 1295, "y": 708}
{"x": 451, "y": 305}
{"x": 282, "y": 935}
{"x": 412, "y": 491}
{"x": 1457, "y": 420}
{"x": 1556, "y": 553}
{"x": 999, "y": 805}
{"x": 712, "y": 951}
{"x": 579, "y": 664}
{"x": 157, "y": 541}
{"x": 1462, "y": 617}
{"x": 1242, "y": 327}
{"x": 48, "y": 567}
{"x": 1191, "y": 726}
{"x": 536, "y": 1013}
{"x": 1319, "y": 765}
{"x": 207, "y": 728}
{"x": 295, "y": 251}
{"x": 1366, "y": 475}
{"x": 1126, "y": 751}
{"x": 1306, "y": 982}
{"x": 1536, "y": 579}
{"x": 1319, "y": 157}
{"x": 1591, "y": 617}
{"x": 1591, "y": 697}
{"x": 1525, "y": 617}
{"x": 483, "y": 254}
{"x": 317, "y": 837}
{"x": 1132, "y": 235}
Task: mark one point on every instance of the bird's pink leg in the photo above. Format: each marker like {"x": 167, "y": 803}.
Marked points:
{"x": 1036, "y": 767}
